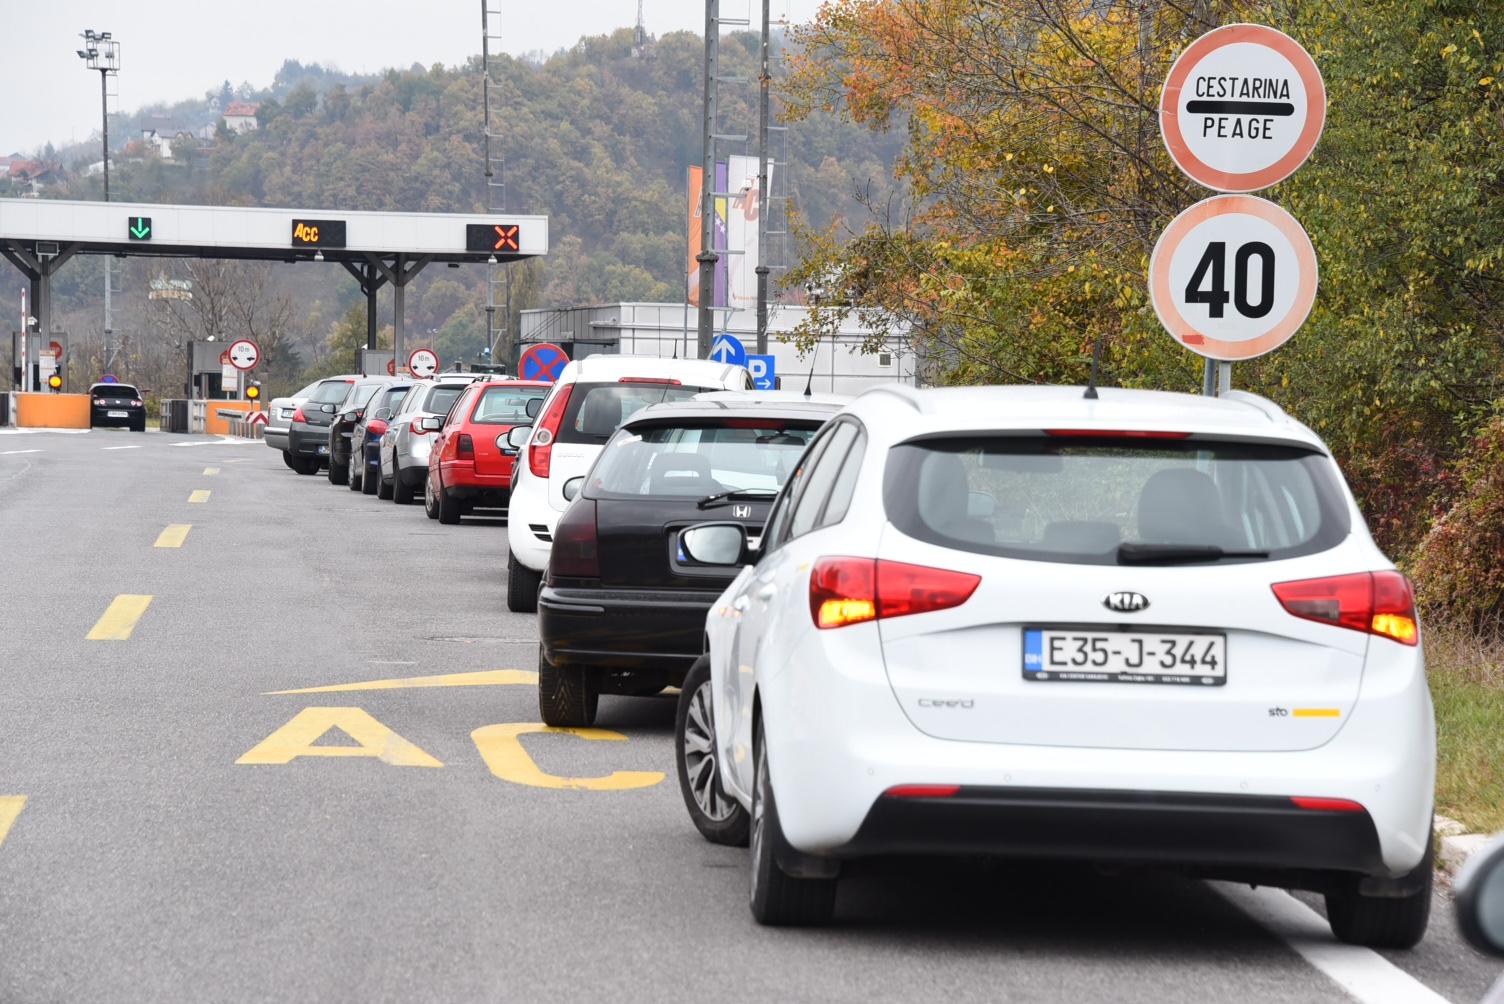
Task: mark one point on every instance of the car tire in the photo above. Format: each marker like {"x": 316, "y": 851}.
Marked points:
{"x": 306, "y": 465}
{"x": 522, "y": 586}
{"x": 138, "y": 426}
{"x": 1383, "y": 922}
{"x": 430, "y": 504}
{"x": 356, "y": 482}
{"x": 719, "y": 818}
{"x": 287, "y": 459}
{"x": 777, "y": 898}
{"x": 450, "y": 508}
{"x": 402, "y": 492}
{"x": 338, "y": 474}
{"x": 369, "y": 482}
{"x": 384, "y": 488}
{"x": 567, "y": 696}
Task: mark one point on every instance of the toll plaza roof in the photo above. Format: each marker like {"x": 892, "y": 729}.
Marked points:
{"x": 268, "y": 234}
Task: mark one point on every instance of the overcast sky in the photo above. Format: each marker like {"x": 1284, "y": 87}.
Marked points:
{"x": 175, "y": 49}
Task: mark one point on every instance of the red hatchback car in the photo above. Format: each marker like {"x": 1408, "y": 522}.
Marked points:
{"x": 471, "y": 465}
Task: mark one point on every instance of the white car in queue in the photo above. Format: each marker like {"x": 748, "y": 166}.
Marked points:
{"x": 1147, "y": 629}
{"x": 591, "y": 397}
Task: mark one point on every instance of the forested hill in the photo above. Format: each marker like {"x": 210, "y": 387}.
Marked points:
{"x": 595, "y": 137}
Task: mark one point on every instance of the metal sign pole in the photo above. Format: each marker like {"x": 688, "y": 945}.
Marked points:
{"x": 1209, "y": 378}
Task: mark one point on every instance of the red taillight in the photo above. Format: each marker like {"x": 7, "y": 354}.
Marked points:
{"x": 297, "y": 416}
{"x": 375, "y": 427}
{"x": 465, "y": 449}
{"x": 416, "y": 426}
{"x": 922, "y": 790}
{"x": 1325, "y": 804}
{"x": 135, "y": 403}
{"x": 846, "y": 591}
{"x": 1380, "y": 603}
{"x": 662, "y": 381}
{"x": 541, "y": 447}
{"x": 574, "y": 554}
{"x": 1116, "y": 433}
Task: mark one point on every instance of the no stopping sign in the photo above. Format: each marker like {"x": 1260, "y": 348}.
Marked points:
{"x": 1233, "y": 277}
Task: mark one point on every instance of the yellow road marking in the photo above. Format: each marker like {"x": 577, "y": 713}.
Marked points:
{"x": 120, "y": 618}
{"x": 500, "y": 747}
{"x": 199, "y": 495}
{"x": 1317, "y": 712}
{"x": 211, "y": 471}
{"x": 297, "y": 738}
{"x": 10, "y": 808}
{"x": 484, "y": 678}
{"x": 174, "y": 535}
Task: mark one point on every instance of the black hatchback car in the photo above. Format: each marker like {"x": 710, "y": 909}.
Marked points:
{"x": 622, "y": 608}
{"x": 116, "y": 404}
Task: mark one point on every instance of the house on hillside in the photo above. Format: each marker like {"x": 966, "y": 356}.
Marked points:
{"x": 158, "y": 133}
{"x": 28, "y": 176}
{"x": 240, "y": 116}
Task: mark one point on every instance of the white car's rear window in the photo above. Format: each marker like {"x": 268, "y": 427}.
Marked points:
{"x": 1115, "y": 501}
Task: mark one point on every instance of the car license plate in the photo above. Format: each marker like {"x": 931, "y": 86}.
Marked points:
{"x": 287, "y": 412}
{"x": 323, "y": 450}
{"x": 118, "y": 414}
{"x": 1071, "y": 655}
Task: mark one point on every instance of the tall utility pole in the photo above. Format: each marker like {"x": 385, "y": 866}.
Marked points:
{"x": 102, "y": 53}
{"x": 707, "y": 256}
{"x": 499, "y": 284}
{"x": 762, "y": 191}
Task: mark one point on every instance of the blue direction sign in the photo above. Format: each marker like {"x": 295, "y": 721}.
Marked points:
{"x": 727, "y": 348}
{"x": 764, "y": 372}
{"x": 543, "y": 361}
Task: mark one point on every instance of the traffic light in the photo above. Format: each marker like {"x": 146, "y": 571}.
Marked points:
{"x": 55, "y": 382}
{"x": 253, "y": 391}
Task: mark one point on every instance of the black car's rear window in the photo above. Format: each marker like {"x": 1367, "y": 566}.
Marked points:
{"x": 331, "y": 392}
{"x": 595, "y": 410}
{"x": 701, "y": 458}
{"x": 113, "y": 391}
{"x": 1080, "y": 500}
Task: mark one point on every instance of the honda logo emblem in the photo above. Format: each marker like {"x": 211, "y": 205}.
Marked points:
{"x": 741, "y": 511}
{"x": 1126, "y": 602}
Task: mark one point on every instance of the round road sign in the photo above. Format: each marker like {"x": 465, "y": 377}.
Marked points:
{"x": 542, "y": 361}
{"x": 1242, "y": 108}
{"x": 391, "y": 367}
{"x": 1233, "y": 277}
{"x": 244, "y": 354}
{"x": 57, "y": 349}
{"x": 423, "y": 363}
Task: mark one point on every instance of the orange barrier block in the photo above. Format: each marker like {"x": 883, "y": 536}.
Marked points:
{"x": 52, "y": 411}
{"x": 216, "y": 426}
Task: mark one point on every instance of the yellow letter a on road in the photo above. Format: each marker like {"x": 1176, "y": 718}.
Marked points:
{"x": 297, "y": 738}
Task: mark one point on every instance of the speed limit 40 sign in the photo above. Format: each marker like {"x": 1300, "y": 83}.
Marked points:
{"x": 1233, "y": 277}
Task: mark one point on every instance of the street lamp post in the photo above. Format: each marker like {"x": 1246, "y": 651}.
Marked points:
{"x": 102, "y": 53}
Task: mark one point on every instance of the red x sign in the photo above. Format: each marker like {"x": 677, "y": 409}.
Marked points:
{"x": 506, "y": 237}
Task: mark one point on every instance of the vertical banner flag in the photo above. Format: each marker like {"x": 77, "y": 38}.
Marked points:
{"x": 696, "y": 189}
{"x": 720, "y": 235}
{"x": 741, "y": 230}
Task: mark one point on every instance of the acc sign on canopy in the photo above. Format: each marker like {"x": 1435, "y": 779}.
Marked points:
{"x": 1242, "y": 108}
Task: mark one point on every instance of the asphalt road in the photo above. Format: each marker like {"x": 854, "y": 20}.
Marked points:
{"x": 188, "y": 834}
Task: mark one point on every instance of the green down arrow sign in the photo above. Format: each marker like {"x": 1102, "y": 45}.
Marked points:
{"x": 140, "y": 228}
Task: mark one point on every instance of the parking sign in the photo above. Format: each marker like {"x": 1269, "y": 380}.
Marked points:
{"x": 764, "y": 372}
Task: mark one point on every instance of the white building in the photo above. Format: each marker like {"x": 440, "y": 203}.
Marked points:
{"x": 669, "y": 329}
{"x": 240, "y": 116}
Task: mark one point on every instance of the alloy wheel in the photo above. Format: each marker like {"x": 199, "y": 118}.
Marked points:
{"x": 699, "y": 757}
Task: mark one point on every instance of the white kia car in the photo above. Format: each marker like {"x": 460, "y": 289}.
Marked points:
{"x": 589, "y": 400}
{"x": 1148, "y": 629}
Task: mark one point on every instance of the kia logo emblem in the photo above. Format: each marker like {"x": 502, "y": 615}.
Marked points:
{"x": 741, "y": 511}
{"x": 1126, "y": 602}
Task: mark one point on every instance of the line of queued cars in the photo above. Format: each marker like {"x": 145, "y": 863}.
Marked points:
{"x": 1131, "y": 628}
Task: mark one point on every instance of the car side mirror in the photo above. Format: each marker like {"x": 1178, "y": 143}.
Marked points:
{"x": 572, "y": 487}
{"x": 714, "y": 543}
{"x": 518, "y": 435}
{"x": 1480, "y": 899}
{"x": 327, "y": 409}
{"x": 433, "y": 423}
{"x": 382, "y": 415}
{"x": 533, "y": 406}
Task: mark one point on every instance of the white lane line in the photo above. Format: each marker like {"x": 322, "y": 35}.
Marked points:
{"x": 136, "y": 447}
{"x": 1366, "y": 975}
{"x": 7, "y": 453}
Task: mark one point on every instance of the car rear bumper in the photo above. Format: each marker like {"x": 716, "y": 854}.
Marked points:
{"x": 623, "y": 628}
{"x": 275, "y": 437}
{"x": 1233, "y": 835}
{"x": 134, "y": 416}
{"x": 464, "y": 475}
{"x": 305, "y": 441}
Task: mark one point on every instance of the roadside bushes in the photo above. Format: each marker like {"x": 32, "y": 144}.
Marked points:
{"x": 1459, "y": 564}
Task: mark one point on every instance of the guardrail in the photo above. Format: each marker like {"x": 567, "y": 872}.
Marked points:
{"x": 240, "y": 423}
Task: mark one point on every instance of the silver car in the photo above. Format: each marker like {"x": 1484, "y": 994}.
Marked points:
{"x": 279, "y": 417}
{"x": 405, "y": 447}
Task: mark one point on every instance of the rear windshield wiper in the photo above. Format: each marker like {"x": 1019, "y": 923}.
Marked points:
{"x": 736, "y": 493}
{"x": 1170, "y": 554}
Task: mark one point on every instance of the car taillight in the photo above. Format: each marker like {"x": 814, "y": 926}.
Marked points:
{"x": 1380, "y": 603}
{"x": 135, "y": 403}
{"x": 416, "y": 427}
{"x": 541, "y": 447}
{"x": 846, "y": 591}
{"x": 574, "y": 553}
{"x": 922, "y": 790}
{"x": 1325, "y": 804}
{"x": 465, "y": 449}
{"x": 375, "y": 427}
{"x": 297, "y": 416}
{"x": 661, "y": 381}
{"x": 1116, "y": 434}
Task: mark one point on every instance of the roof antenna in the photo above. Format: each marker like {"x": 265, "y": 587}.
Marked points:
{"x": 810, "y": 380}
{"x": 1096, "y": 361}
